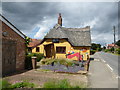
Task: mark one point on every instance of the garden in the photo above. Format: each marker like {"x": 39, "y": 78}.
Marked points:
{"x": 63, "y": 65}
{"x": 56, "y": 65}
{"x": 45, "y": 75}
{"x": 44, "y": 79}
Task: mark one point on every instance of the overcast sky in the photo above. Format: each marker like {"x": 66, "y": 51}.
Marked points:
{"x": 35, "y": 19}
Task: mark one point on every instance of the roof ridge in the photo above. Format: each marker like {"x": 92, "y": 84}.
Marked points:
{"x": 10, "y": 24}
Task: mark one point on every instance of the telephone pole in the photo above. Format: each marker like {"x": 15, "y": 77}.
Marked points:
{"x": 114, "y": 37}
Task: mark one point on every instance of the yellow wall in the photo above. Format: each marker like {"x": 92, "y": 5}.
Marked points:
{"x": 41, "y": 48}
{"x": 65, "y": 43}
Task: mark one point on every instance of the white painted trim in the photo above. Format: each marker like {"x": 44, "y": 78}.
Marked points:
{"x": 7, "y": 23}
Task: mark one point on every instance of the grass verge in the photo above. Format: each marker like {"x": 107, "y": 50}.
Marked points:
{"x": 62, "y": 84}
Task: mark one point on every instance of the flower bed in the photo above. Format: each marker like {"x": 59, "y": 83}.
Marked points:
{"x": 62, "y": 65}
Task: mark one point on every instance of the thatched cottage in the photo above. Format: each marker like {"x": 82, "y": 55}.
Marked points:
{"x": 61, "y": 42}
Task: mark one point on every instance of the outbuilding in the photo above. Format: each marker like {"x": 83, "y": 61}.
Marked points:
{"x": 13, "y": 47}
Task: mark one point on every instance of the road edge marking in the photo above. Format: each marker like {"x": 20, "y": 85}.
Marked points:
{"x": 109, "y": 67}
{"x": 103, "y": 60}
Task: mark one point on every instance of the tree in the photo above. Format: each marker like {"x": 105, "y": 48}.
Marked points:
{"x": 93, "y": 46}
{"x": 118, "y": 43}
{"x": 104, "y": 47}
{"x": 96, "y": 47}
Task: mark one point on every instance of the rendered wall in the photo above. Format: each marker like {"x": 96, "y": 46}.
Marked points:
{"x": 69, "y": 48}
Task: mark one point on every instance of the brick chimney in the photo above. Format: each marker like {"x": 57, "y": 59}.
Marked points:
{"x": 60, "y": 19}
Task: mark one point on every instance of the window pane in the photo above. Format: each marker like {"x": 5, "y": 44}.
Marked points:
{"x": 37, "y": 49}
{"x": 60, "y": 49}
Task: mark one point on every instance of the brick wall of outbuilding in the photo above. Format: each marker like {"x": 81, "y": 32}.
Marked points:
{"x": 20, "y": 45}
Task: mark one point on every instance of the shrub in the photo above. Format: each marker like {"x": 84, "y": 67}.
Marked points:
{"x": 118, "y": 50}
{"x": 112, "y": 49}
{"x": 99, "y": 49}
{"x": 28, "y": 62}
{"x": 17, "y": 84}
{"x": 64, "y": 84}
{"x": 4, "y": 84}
{"x": 22, "y": 84}
{"x": 92, "y": 52}
{"x": 60, "y": 84}
{"x": 107, "y": 50}
{"x": 38, "y": 55}
{"x": 65, "y": 62}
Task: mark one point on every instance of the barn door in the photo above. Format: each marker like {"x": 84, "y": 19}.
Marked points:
{"x": 8, "y": 56}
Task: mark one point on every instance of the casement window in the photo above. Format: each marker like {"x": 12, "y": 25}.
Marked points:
{"x": 37, "y": 49}
{"x": 60, "y": 49}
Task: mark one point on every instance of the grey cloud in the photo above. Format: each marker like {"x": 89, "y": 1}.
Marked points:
{"x": 25, "y": 15}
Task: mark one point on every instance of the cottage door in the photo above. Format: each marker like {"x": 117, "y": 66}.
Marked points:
{"x": 49, "y": 50}
{"x": 8, "y": 56}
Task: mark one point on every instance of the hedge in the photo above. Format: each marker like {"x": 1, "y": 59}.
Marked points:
{"x": 28, "y": 61}
{"x": 92, "y": 52}
{"x": 118, "y": 50}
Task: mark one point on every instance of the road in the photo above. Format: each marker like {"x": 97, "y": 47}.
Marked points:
{"x": 100, "y": 76}
{"x": 110, "y": 60}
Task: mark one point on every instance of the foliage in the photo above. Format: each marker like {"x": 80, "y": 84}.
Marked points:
{"x": 44, "y": 70}
{"x": 112, "y": 49}
{"x": 66, "y": 62}
{"x": 61, "y": 84}
{"x": 99, "y": 49}
{"x": 118, "y": 50}
{"x": 92, "y": 52}
{"x": 118, "y": 43}
{"x": 27, "y": 41}
{"x": 95, "y": 46}
{"x": 22, "y": 84}
{"x": 28, "y": 61}
{"x": 107, "y": 50}
{"x": 38, "y": 55}
{"x": 17, "y": 84}
{"x": 4, "y": 84}
{"x": 104, "y": 47}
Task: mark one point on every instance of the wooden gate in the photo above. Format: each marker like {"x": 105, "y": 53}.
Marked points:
{"x": 8, "y": 56}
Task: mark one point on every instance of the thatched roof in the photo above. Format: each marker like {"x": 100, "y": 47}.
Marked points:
{"x": 76, "y": 36}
